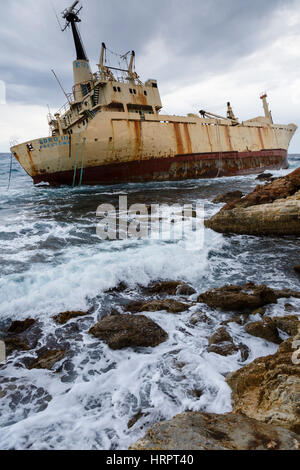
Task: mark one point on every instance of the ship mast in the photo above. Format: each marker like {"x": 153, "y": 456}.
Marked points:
{"x": 72, "y": 18}
{"x": 81, "y": 67}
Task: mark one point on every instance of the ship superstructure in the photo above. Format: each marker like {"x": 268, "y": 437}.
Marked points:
{"x": 111, "y": 130}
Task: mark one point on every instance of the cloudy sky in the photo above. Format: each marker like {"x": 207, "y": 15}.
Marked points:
{"x": 203, "y": 53}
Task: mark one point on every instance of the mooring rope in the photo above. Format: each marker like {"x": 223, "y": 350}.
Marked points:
{"x": 82, "y": 160}
{"x": 10, "y": 171}
{"x": 76, "y": 161}
{"x": 219, "y": 145}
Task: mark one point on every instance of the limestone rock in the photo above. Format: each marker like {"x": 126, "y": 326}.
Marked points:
{"x": 222, "y": 343}
{"x": 171, "y": 288}
{"x": 64, "y": 317}
{"x": 228, "y": 197}
{"x": 14, "y": 343}
{"x": 268, "y": 389}
{"x": 170, "y": 305}
{"x": 18, "y": 327}
{"x": 239, "y": 298}
{"x": 48, "y": 359}
{"x": 202, "y": 431}
{"x": 265, "y": 329}
{"x": 123, "y": 331}
{"x": 273, "y": 209}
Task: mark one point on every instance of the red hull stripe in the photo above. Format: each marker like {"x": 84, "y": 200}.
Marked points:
{"x": 179, "y": 167}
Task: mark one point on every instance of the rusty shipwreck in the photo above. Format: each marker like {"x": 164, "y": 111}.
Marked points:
{"x": 111, "y": 131}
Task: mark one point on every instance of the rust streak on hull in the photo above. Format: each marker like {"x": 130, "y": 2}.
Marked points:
{"x": 185, "y": 166}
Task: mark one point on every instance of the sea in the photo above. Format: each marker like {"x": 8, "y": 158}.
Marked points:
{"x": 52, "y": 260}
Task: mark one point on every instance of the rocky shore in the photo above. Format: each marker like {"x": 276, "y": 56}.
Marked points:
{"x": 271, "y": 209}
{"x": 265, "y": 392}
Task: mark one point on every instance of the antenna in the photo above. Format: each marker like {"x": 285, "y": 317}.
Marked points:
{"x": 62, "y": 88}
{"x": 70, "y": 15}
{"x": 56, "y": 15}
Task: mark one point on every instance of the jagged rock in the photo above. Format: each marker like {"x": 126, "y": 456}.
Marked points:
{"x": 222, "y": 343}
{"x": 18, "y": 327}
{"x": 171, "y": 288}
{"x": 259, "y": 311}
{"x": 123, "y": 331}
{"x": 287, "y": 293}
{"x": 220, "y": 336}
{"x": 289, "y": 324}
{"x": 202, "y": 431}
{"x": 15, "y": 344}
{"x": 268, "y": 389}
{"x": 64, "y": 317}
{"x": 238, "y": 319}
{"x": 245, "y": 352}
{"x": 265, "y": 329}
{"x": 246, "y": 297}
{"x": 264, "y": 176}
{"x": 297, "y": 269}
{"x": 121, "y": 287}
{"x": 170, "y": 305}
{"x": 272, "y": 209}
{"x": 228, "y": 197}
{"x": 48, "y": 359}
{"x": 281, "y": 188}
{"x": 223, "y": 349}
{"x": 136, "y": 418}
{"x": 200, "y": 317}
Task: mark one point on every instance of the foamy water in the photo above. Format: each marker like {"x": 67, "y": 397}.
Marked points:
{"x": 52, "y": 261}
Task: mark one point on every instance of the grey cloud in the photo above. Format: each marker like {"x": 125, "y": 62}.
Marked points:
{"x": 203, "y": 37}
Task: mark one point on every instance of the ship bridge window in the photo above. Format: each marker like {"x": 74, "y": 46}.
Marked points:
{"x": 145, "y": 93}
{"x": 115, "y": 107}
{"x": 154, "y": 85}
{"x": 117, "y": 88}
{"x": 132, "y": 91}
{"x": 141, "y": 109}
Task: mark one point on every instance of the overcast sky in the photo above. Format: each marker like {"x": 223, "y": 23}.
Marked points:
{"x": 203, "y": 53}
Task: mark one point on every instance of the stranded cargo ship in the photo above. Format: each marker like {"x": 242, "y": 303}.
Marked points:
{"x": 111, "y": 131}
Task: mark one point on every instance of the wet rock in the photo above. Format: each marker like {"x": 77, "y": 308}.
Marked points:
{"x": 121, "y": 287}
{"x": 223, "y": 349}
{"x": 289, "y": 324}
{"x": 170, "y": 305}
{"x": 246, "y": 297}
{"x": 64, "y": 317}
{"x": 287, "y": 293}
{"x": 228, "y": 197}
{"x": 222, "y": 343}
{"x": 238, "y": 319}
{"x": 259, "y": 311}
{"x": 123, "y": 331}
{"x": 13, "y": 344}
{"x": 48, "y": 359}
{"x": 272, "y": 209}
{"x": 196, "y": 393}
{"x": 265, "y": 329}
{"x": 220, "y": 336}
{"x": 171, "y": 288}
{"x": 202, "y": 431}
{"x": 297, "y": 269}
{"x": 245, "y": 352}
{"x": 268, "y": 389}
{"x": 200, "y": 317}
{"x": 136, "y": 418}
{"x": 264, "y": 176}
{"x": 18, "y": 327}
